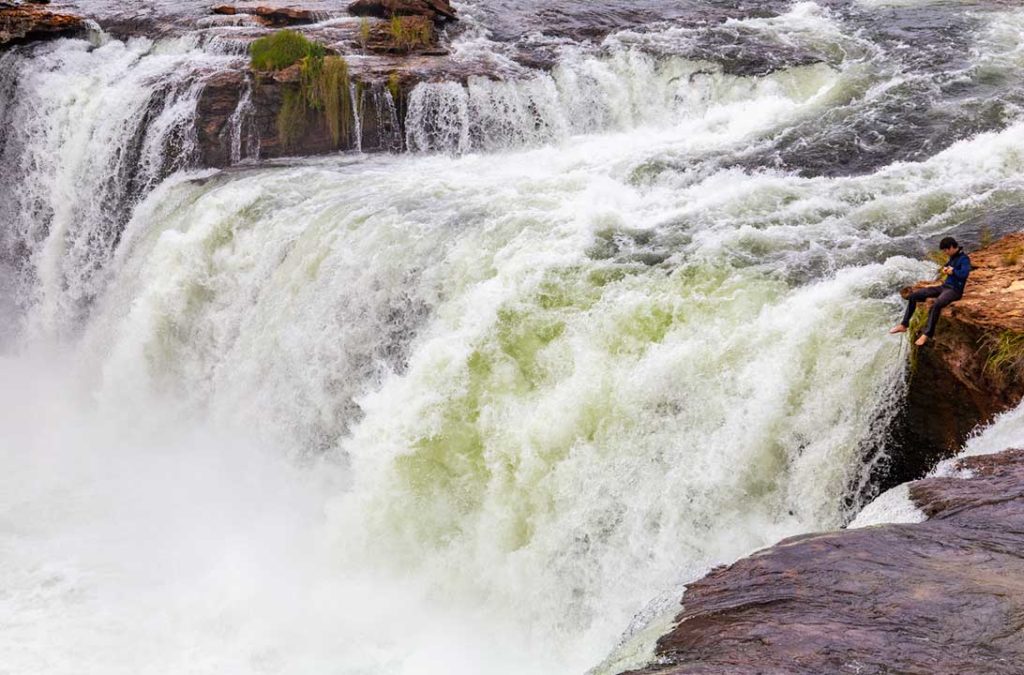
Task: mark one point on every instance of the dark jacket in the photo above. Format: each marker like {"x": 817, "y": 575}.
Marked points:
{"x": 961, "y": 265}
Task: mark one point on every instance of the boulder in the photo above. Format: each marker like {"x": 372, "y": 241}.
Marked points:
{"x": 436, "y": 10}
{"x": 28, "y": 22}
{"x": 942, "y": 596}
{"x": 274, "y": 17}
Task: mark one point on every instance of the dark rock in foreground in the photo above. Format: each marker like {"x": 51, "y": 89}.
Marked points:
{"x": 945, "y": 596}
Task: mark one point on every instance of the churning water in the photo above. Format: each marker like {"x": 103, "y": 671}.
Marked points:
{"x": 478, "y": 407}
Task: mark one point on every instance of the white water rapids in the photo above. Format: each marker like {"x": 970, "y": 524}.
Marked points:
{"x": 442, "y": 413}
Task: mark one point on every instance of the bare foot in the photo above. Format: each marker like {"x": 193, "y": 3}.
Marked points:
{"x": 921, "y": 341}
{"x": 897, "y": 329}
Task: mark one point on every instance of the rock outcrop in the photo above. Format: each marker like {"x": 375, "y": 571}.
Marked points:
{"x": 30, "y": 21}
{"x": 437, "y": 10}
{"x": 942, "y": 597}
{"x": 275, "y": 17}
{"x": 962, "y": 378}
{"x": 238, "y": 114}
{"x": 247, "y": 113}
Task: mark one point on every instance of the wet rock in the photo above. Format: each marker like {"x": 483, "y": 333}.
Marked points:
{"x": 215, "y": 109}
{"x": 437, "y": 10}
{"x": 28, "y": 22}
{"x": 240, "y": 113}
{"x": 959, "y": 380}
{"x": 239, "y": 116}
{"x": 275, "y": 17}
{"x": 942, "y": 596}
{"x": 414, "y": 35}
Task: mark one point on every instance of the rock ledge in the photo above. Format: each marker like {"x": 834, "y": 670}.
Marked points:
{"x": 945, "y": 596}
{"x": 956, "y": 383}
{"x": 27, "y": 22}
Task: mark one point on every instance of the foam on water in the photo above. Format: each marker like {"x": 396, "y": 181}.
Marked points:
{"x": 892, "y": 506}
{"x": 895, "y": 506}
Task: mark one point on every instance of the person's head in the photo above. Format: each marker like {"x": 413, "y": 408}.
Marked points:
{"x": 949, "y": 245}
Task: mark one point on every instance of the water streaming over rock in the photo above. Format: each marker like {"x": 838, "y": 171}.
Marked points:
{"x": 468, "y": 409}
{"x": 88, "y": 129}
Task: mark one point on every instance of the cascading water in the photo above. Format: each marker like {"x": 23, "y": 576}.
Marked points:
{"x": 452, "y": 414}
{"x": 88, "y": 129}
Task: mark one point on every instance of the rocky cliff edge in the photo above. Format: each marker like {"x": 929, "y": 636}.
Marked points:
{"x": 940, "y": 597}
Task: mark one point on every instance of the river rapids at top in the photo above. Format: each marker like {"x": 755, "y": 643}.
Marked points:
{"x": 484, "y": 406}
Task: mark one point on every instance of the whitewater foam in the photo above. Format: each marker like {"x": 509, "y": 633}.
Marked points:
{"x": 452, "y": 414}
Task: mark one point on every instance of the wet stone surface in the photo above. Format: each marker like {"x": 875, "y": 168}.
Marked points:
{"x": 942, "y": 596}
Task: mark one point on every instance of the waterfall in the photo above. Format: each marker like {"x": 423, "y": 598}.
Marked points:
{"x": 245, "y": 142}
{"x": 89, "y": 129}
{"x": 482, "y": 406}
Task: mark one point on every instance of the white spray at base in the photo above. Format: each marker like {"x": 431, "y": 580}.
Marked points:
{"x": 422, "y": 415}
{"x": 895, "y": 506}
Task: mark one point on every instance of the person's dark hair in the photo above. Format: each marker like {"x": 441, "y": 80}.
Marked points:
{"x": 948, "y": 242}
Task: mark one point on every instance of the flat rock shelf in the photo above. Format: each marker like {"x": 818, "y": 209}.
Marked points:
{"x": 942, "y": 596}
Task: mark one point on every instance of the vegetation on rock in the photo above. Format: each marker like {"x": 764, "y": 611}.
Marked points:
{"x": 325, "y": 88}
{"x": 291, "y": 118}
{"x": 1013, "y": 256}
{"x": 323, "y": 85}
{"x": 411, "y": 32}
{"x": 1006, "y": 353}
{"x": 282, "y": 49}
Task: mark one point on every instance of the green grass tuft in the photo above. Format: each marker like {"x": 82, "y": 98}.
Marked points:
{"x": 411, "y": 32}
{"x": 1013, "y": 256}
{"x": 364, "y": 32}
{"x": 325, "y": 87}
{"x": 394, "y": 86}
{"x": 291, "y": 118}
{"x": 1006, "y": 353}
{"x": 282, "y": 49}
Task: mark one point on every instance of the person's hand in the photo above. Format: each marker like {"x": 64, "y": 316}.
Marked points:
{"x": 947, "y": 270}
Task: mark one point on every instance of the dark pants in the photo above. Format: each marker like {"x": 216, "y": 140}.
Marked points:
{"x": 943, "y": 296}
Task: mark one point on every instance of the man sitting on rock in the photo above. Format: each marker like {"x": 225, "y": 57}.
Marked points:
{"x": 957, "y": 269}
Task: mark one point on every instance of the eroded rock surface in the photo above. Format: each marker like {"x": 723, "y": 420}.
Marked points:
{"x": 438, "y": 10}
{"x": 272, "y": 16}
{"x": 27, "y": 22}
{"x": 945, "y": 596}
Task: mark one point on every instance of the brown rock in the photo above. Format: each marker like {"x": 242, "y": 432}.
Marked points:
{"x": 30, "y": 22}
{"x": 436, "y": 10}
{"x": 217, "y": 103}
{"x": 271, "y": 16}
{"x": 954, "y": 385}
{"x": 417, "y": 36}
{"x": 943, "y": 597}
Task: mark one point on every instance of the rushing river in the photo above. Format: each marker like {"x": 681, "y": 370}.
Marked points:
{"x": 485, "y": 406}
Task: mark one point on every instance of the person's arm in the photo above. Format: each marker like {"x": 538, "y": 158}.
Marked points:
{"x": 961, "y": 269}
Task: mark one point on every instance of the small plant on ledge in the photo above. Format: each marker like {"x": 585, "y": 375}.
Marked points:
{"x": 411, "y": 32}
{"x": 282, "y": 49}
